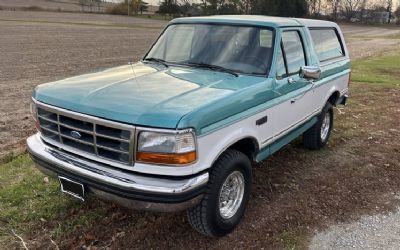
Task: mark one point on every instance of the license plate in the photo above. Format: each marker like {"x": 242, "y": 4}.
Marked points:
{"x": 73, "y": 188}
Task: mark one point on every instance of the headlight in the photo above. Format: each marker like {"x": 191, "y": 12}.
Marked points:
{"x": 166, "y": 148}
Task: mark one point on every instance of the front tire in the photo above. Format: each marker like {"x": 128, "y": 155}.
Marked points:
{"x": 226, "y": 197}
{"x": 318, "y": 135}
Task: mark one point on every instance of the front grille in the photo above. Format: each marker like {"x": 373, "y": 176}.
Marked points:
{"x": 89, "y": 135}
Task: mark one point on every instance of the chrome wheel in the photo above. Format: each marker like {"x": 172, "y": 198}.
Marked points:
{"x": 231, "y": 195}
{"x": 326, "y": 125}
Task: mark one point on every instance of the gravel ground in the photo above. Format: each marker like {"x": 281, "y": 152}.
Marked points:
{"x": 380, "y": 231}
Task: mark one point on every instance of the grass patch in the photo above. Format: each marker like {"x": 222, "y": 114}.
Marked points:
{"x": 29, "y": 200}
{"x": 382, "y": 70}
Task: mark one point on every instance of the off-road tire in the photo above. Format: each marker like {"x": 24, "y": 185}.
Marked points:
{"x": 205, "y": 217}
{"x": 312, "y": 137}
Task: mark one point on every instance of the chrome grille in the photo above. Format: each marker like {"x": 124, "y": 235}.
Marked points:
{"x": 87, "y": 135}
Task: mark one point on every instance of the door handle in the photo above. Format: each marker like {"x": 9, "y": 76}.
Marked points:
{"x": 291, "y": 80}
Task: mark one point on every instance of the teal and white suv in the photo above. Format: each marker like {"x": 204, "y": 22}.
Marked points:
{"x": 179, "y": 129}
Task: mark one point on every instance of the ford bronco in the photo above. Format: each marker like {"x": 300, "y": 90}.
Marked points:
{"x": 179, "y": 129}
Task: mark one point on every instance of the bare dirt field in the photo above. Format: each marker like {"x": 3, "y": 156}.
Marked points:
{"x": 366, "y": 41}
{"x": 54, "y": 5}
{"x": 38, "y": 47}
{"x": 295, "y": 192}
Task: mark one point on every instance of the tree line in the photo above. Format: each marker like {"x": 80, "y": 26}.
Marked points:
{"x": 88, "y": 5}
{"x": 295, "y": 8}
{"x": 128, "y": 7}
{"x": 352, "y": 9}
{"x": 330, "y": 9}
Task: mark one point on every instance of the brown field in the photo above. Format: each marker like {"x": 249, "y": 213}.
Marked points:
{"x": 50, "y": 5}
{"x": 38, "y": 47}
{"x": 295, "y": 192}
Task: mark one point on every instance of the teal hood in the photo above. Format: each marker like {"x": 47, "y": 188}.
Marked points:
{"x": 146, "y": 95}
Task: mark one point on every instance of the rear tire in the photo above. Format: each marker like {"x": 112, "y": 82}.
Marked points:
{"x": 318, "y": 135}
{"x": 226, "y": 196}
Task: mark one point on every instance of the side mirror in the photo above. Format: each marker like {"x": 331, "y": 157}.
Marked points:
{"x": 310, "y": 72}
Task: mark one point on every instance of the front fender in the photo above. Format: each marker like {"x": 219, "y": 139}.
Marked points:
{"x": 212, "y": 145}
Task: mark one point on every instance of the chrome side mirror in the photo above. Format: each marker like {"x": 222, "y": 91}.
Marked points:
{"x": 310, "y": 72}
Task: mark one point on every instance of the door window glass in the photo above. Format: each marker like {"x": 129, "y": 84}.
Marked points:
{"x": 294, "y": 51}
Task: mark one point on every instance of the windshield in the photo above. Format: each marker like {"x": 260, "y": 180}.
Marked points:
{"x": 237, "y": 48}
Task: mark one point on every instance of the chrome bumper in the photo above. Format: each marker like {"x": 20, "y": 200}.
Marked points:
{"x": 129, "y": 189}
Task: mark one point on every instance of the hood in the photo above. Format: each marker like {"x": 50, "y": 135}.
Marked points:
{"x": 143, "y": 94}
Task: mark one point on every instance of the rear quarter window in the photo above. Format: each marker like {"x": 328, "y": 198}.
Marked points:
{"x": 327, "y": 43}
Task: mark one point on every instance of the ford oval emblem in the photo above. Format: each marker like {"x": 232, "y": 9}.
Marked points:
{"x": 75, "y": 134}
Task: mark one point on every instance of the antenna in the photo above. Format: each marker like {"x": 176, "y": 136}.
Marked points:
{"x": 133, "y": 68}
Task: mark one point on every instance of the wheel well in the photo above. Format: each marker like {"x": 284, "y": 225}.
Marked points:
{"x": 334, "y": 98}
{"x": 247, "y": 146}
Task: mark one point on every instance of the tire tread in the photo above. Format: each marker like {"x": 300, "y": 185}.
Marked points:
{"x": 311, "y": 138}
{"x": 197, "y": 215}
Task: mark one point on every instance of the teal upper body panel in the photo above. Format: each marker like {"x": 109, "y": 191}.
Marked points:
{"x": 146, "y": 95}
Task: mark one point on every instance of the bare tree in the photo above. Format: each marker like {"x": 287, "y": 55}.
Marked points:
{"x": 82, "y": 3}
{"x": 362, "y": 11}
{"x": 397, "y": 15}
{"x": 389, "y": 9}
{"x": 314, "y": 7}
{"x": 335, "y": 5}
{"x": 350, "y": 8}
{"x": 90, "y": 3}
{"x": 98, "y": 3}
{"x": 247, "y": 4}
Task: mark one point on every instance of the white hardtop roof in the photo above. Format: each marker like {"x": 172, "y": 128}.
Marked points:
{"x": 315, "y": 22}
{"x": 271, "y": 21}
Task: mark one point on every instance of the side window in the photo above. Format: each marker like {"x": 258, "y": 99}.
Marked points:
{"x": 294, "y": 51}
{"x": 326, "y": 43}
{"x": 290, "y": 55}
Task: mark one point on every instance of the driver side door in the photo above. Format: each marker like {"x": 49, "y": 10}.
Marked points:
{"x": 293, "y": 94}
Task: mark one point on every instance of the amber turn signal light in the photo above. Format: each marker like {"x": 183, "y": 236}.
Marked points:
{"x": 160, "y": 158}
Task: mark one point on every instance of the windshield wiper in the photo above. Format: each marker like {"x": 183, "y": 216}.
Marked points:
{"x": 212, "y": 67}
{"x": 158, "y": 60}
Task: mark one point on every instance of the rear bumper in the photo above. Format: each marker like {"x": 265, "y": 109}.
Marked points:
{"x": 132, "y": 190}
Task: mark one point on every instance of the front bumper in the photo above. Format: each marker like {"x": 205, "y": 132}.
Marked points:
{"x": 132, "y": 190}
